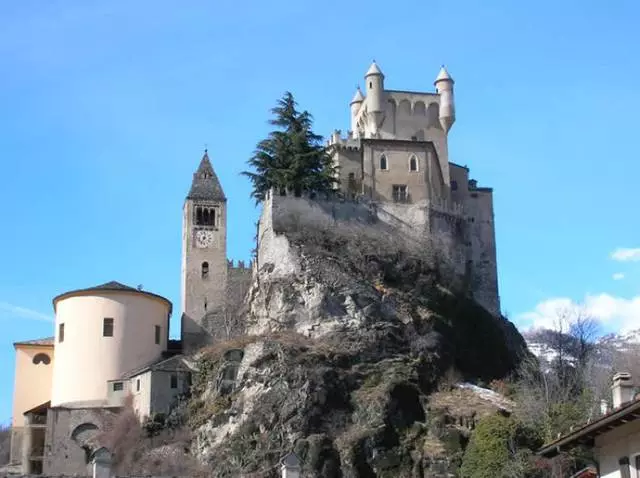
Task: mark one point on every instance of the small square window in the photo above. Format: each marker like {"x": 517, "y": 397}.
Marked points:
{"x": 174, "y": 380}
{"x": 118, "y": 386}
{"x": 61, "y": 333}
{"x": 107, "y": 327}
{"x": 400, "y": 193}
{"x": 157, "y": 330}
{"x": 138, "y": 385}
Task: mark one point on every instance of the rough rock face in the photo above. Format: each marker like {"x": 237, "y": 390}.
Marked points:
{"x": 347, "y": 343}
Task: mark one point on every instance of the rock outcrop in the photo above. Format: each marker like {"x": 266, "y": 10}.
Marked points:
{"x": 354, "y": 340}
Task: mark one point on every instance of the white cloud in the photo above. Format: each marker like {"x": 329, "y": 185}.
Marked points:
{"x": 621, "y": 313}
{"x": 623, "y": 254}
{"x": 22, "y": 312}
{"x": 618, "y": 276}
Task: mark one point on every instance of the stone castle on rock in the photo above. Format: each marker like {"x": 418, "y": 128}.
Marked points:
{"x": 112, "y": 341}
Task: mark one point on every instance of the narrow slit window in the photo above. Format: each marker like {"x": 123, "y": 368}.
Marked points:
{"x": 205, "y": 270}
{"x": 383, "y": 162}
{"x": 107, "y": 327}
{"x": 157, "y": 331}
{"x": 174, "y": 380}
{"x": 413, "y": 164}
{"x": 138, "y": 385}
{"x": 61, "y": 333}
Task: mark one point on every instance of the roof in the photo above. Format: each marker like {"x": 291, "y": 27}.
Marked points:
{"x": 291, "y": 460}
{"x": 112, "y": 286}
{"x": 586, "y": 434}
{"x": 40, "y": 408}
{"x": 205, "y": 185}
{"x": 374, "y": 70}
{"x": 443, "y": 75}
{"x": 47, "y": 341}
{"x": 357, "y": 98}
{"x": 171, "y": 364}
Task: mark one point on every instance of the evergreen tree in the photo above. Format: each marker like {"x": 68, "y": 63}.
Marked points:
{"x": 292, "y": 157}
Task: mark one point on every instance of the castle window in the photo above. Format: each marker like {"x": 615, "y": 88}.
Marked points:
{"x": 413, "y": 163}
{"x": 371, "y": 84}
{"x": 60, "y": 333}
{"x": 400, "y": 193}
{"x": 198, "y": 215}
{"x": 205, "y": 270}
{"x": 383, "y": 163}
{"x": 138, "y": 385}
{"x": 212, "y": 217}
{"x": 157, "y": 331}
{"x": 205, "y": 217}
{"x": 107, "y": 327}
{"x": 118, "y": 386}
{"x": 41, "y": 359}
{"x": 174, "y": 380}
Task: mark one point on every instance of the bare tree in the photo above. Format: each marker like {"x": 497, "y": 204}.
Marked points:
{"x": 5, "y": 444}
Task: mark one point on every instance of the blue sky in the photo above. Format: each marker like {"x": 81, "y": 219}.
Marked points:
{"x": 105, "y": 108}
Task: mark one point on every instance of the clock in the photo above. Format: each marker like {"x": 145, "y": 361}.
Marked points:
{"x": 204, "y": 239}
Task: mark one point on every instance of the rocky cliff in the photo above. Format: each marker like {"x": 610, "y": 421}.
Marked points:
{"x": 355, "y": 342}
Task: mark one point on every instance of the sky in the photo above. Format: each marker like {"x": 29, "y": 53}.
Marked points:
{"x": 106, "y": 107}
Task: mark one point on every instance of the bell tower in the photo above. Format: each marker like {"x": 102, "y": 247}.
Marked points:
{"x": 204, "y": 255}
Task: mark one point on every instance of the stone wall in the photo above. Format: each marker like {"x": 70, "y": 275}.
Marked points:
{"x": 68, "y": 431}
{"x": 461, "y": 236}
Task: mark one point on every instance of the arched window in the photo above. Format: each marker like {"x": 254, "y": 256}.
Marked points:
{"x": 383, "y": 162}
{"x": 413, "y": 163}
{"x": 198, "y": 215}
{"x": 41, "y": 359}
{"x": 205, "y": 270}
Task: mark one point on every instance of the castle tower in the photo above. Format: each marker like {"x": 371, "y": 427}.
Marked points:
{"x": 374, "y": 79}
{"x": 356, "y": 104}
{"x": 444, "y": 87}
{"x": 204, "y": 255}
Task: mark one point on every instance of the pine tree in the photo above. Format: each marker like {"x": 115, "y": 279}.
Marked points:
{"x": 292, "y": 157}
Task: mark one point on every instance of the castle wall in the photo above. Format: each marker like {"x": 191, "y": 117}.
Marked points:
{"x": 483, "y": 248}
{"x": 462, "y": 241}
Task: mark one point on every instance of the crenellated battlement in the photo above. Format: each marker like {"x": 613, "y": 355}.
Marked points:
{"x": 239, "y": 265}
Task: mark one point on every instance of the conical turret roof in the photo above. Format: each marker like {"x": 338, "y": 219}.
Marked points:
{"x": 443, "y": 75}
{"x": 205, "y": 185}
{"x": 374, "y": 70}
{"x": 357, "y": 98}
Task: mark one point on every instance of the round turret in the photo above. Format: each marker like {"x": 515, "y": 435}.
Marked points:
{"x": 356, "y": 104}
{"x": 375, "y": 88}
{"x": 102, "y": 333}
{"x": 444, "y": 87}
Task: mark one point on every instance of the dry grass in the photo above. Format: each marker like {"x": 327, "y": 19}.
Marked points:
{"x": 135, "y": 452}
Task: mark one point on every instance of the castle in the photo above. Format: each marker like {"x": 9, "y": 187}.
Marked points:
{"x": 112, "y": 341}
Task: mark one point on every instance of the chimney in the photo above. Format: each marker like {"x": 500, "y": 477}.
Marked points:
{"x": 290, "y": 466}
{"x": 622, "y": 390}
{"x": 604, "y": 407}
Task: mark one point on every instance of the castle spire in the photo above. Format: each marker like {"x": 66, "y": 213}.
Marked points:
{"x": 205, "y": 184}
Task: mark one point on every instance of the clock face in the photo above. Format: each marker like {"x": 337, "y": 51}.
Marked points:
{"x": 204, "y": 238}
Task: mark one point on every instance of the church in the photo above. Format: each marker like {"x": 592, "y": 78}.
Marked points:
{"x": 111, "y": 341}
